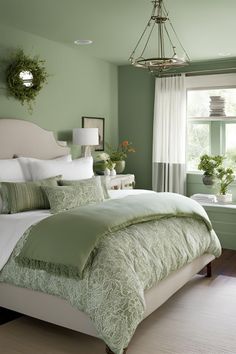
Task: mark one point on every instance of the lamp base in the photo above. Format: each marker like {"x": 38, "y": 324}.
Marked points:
{"x": 86, "y": 151}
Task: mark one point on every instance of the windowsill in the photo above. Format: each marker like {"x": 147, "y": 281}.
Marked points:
{"x": 198, "y": 176}
{"x": 195, "y": 186}
{"x": 219, "y": 205}
{"x": 220, "y": 209}
{"x": 225, "y": 119}
{"x": 194, "y": 173}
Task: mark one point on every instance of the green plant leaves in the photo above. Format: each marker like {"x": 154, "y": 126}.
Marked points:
{"x": 20, "y": 62}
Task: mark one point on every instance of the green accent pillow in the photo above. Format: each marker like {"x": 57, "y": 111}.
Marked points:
{"x": 26, "y": 196}
{"x": 103, "y": 180}
{"x": 84, "y": 192}
{"x": 4, "y": 201}
{"x": 1, "y": 201}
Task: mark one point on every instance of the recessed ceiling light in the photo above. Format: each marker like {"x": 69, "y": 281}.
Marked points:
{"x": 227, "y": 54}
{"x": 83, "y": 41}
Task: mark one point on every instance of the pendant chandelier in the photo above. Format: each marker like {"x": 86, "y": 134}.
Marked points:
{"x": 158, "y": 23}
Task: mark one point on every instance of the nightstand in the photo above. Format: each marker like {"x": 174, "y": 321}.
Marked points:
{"x": 122, "y": 181}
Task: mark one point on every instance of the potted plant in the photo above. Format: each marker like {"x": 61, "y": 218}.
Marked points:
{"x": 120, "y": 155}
{"x": 100, "y": 164}
{"x": 209, "y": 164}
{"x": 225, "y": 177}
{"x": 104, "y": 165}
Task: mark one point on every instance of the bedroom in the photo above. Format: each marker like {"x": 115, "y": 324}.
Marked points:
{"x": 91, "y": 81}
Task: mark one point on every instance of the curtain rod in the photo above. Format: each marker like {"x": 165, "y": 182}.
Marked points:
{"x": 199, "y": 72}
{"x": 210, "y": 71}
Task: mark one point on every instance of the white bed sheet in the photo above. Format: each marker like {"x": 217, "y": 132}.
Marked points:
{"x": 13, "y": 226}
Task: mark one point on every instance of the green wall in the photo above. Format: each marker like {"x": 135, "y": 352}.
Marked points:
{"x": 136, "y": 103}
{"x": 79, "y": 85}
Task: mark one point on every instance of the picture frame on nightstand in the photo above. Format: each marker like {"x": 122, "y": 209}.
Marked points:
{"x": 96, "y": 122}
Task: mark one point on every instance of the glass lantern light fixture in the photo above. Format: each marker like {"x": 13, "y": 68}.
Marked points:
{"x": 160, "y": 32}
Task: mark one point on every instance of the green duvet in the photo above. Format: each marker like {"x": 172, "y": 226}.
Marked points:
{"x": 126, "y": 262}
{"x": 64, "y": 243}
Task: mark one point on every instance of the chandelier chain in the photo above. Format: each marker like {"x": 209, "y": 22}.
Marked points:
{"x": 145, "y": 29}
{"x": 179, "y": 40}
{"x": 171, "y": 42}
{"x": 141, "y": 56}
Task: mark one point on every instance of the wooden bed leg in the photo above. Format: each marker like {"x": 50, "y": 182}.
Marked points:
{"x": 209, "y": 270}
{"x": 108, "y": 350}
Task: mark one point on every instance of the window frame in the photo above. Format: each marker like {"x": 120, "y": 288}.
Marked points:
{"x": 217, "y": 127}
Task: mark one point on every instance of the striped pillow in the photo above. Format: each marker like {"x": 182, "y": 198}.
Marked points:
{"x": 27, "y": 195}
{"x": 1, "y": 201}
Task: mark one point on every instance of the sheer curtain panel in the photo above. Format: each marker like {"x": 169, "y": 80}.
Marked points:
{"x": 169, "y": 135}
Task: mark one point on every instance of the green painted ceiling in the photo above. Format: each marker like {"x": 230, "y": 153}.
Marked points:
{"x": 206, "y": 27}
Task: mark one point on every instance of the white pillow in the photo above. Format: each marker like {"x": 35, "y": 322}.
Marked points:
{"x": 25, "y": 164}
{"x": 77, "y": 169}
{"x": 11, "y": 171}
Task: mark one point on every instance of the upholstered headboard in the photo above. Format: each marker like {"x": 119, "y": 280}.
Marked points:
{"x": 23, "y": 138}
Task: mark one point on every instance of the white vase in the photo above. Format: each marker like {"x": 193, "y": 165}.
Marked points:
{"x": 120, "y": 166}
{"x": 224, "y": 198}
{"x": 106, "y": 172}
{"x": 113, "y": 172}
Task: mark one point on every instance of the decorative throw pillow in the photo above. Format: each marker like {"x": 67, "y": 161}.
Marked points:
{"x": 68, "y": 197}
{"x": 26, "y": 161}
{"x": 26, "y": 196}
{"x": 103, "y": 181}
{"x": 1, "y": 201}
{"x": 77, "y": 169}
{"x": 10, "y": 171}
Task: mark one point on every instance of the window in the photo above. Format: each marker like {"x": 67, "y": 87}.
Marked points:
{"x": 209, "y": 130}
{"x": 230, "y": 144}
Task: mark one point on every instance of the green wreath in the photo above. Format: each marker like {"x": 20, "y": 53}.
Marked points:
{"x": 25, "y": 90}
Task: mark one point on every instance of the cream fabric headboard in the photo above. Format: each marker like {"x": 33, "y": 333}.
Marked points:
{"x": 23, "y": 138}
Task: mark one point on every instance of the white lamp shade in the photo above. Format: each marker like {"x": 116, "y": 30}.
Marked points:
{"x": 85, "y": 136}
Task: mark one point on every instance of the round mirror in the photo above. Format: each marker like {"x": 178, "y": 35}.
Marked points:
{"x": 27, "y": 78}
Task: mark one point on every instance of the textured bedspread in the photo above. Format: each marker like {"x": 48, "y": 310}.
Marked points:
{"x": 127, "y": 262}
{"x": 65, "y": 242}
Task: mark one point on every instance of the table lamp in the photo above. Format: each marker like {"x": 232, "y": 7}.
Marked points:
{"x": 86, "y": 137}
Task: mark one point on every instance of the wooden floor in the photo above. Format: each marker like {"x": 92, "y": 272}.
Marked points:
{"x": 225, "y": 265}
{"x": 199, "y": 319}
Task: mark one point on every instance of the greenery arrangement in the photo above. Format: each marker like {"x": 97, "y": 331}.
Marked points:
{"x": 114, "y": 158}
{"x": 225, "y": 176}
{"x": 213, "y": 167}
{"x": 102, "y": 162}
{"x": 209, "y": 164}
{"x": 122, "y": 151}
{"x": 21, "y": 63}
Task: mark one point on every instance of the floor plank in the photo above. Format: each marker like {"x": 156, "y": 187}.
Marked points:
{"x": 225, "y": 264}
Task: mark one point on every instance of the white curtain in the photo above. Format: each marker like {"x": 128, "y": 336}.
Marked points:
{"x": 169, "y": 135}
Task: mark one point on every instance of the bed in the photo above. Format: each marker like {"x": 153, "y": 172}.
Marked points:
{"x": 22, "y": 138}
